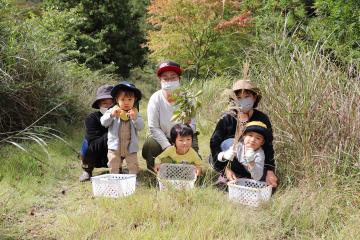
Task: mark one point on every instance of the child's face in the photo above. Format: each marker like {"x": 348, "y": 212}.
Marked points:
{"x": 253, "y": 140}
{"x": 183, "y": 144}
{"x": 125, "y": 102}
{"x": 105, "y": 103}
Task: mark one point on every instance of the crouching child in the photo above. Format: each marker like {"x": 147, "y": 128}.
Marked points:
{"x": 180, "y": 151}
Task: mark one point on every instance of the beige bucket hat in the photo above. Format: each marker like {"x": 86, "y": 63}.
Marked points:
{"x": 248, "y": 85}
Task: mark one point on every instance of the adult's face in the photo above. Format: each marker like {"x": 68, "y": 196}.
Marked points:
{"x": 169, "y": 80}
{"x": 246, "y": 100}
{"x": 242, "y": 94}
{"x": 169, "y": 76}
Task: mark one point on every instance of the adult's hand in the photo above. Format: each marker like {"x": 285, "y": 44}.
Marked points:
{"x": 230, "y": 175}
{"x": 271, "y": 178}
{"x": 243, "y": 117}
{"x": 198, "y": 171}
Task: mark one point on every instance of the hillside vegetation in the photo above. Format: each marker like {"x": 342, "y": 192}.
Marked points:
{"x": 304, "y": 56}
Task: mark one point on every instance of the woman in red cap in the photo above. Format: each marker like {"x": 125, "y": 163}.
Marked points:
{"x": 160, "y": 111}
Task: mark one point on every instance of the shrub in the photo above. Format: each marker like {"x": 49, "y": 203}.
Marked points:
{"x": 34, "y": 74}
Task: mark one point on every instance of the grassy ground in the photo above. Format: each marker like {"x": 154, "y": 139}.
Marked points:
{"x": 50, "y": 203}
{"x": 318, "y": 198}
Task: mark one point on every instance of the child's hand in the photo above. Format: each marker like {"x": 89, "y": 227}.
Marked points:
{"x": 132, "y": 113}
{"x": 115, "y": 111}
{"x": 157, "y": 167}
{"x": 250, "y": 155}
{"x": 198, "y": 171}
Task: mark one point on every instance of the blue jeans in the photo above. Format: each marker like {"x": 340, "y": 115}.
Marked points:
{"x": 226, "y": 144}
{"x": 84, "y": 148}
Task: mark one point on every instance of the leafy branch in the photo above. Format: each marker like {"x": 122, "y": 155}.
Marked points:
{"x": 187, "y": 103}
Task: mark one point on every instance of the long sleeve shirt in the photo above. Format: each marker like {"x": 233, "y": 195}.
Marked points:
{"x": 226, "y": 128}
{"x": 114, "y": 124}
{"x": 257, "y": 170}
{"x": 159, "y": 113}
{"x": 96, "y": 135}
{"x": 190, "y": 157}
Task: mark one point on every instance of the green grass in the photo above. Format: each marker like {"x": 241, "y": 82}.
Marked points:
{"x": 52, "y": 204}
{"x": 314, "y": 111}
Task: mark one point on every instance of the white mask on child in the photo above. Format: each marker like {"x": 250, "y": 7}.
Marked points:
{"x": 170, "y": 86}
{"x": 246, "y": 104}
{"x": 103, "y": 110}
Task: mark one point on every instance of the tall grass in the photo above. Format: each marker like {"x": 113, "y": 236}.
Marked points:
{"x": 314, "y": 108}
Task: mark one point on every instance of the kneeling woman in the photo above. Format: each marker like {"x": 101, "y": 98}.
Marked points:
{"x": 160, "y": 111}
{"x": 247, "y": 97}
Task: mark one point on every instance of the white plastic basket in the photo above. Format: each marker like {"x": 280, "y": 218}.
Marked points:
{"x": 249, "y": 192}
{"x": 178, "y": 176}
{"x": 113, "y": 185}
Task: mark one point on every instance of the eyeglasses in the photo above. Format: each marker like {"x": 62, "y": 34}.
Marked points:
{"x": 170, "y": 79}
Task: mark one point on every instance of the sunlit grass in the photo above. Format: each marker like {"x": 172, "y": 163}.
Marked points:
{"x": 314, "y": 112}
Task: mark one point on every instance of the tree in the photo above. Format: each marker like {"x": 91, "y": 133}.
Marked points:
{"x": 194, "y": 33}
{"x": 110, "y": 34}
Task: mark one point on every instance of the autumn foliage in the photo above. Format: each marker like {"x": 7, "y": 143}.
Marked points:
{"x": 195, "y": 32}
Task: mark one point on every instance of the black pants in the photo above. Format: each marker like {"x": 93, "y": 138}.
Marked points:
{"x": 93, "y": 160}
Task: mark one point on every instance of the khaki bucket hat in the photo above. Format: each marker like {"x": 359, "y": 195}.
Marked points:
{"x": 248, "y": 85}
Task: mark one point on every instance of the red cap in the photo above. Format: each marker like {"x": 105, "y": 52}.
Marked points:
{"x": 168, "y": 66}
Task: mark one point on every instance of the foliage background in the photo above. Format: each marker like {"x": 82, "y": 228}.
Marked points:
{"x": 303, "y": 54}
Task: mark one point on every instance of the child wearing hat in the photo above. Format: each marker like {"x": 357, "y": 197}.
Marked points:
{"x": 123, "y": 121}
{"x": 93, "y": 152}
{"x": 244, "y": 99}
{"x": 249, "y": 150}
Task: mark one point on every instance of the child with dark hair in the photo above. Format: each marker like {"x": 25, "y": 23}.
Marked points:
{"x": 124, "y": 121}
{"x": 181, "y": 136}
{"x": 250, "y": 156}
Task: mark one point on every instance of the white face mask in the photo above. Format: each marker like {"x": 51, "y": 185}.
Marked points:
{"x": 103, "y": 109}
{"x": 170, "y": 86}
{"x": 246, "y": 104}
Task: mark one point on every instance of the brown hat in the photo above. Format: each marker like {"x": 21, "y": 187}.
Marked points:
{"x": 247, "y": 85}
{"x": 103, "y": 92}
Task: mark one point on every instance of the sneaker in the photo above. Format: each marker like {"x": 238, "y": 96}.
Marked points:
{"x": 85, "y": 176}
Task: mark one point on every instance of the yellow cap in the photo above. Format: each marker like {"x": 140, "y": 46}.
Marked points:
{"x": 256, "y": 123}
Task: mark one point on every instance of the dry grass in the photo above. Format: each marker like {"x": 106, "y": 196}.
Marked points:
{"x": 315, "y": 113}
